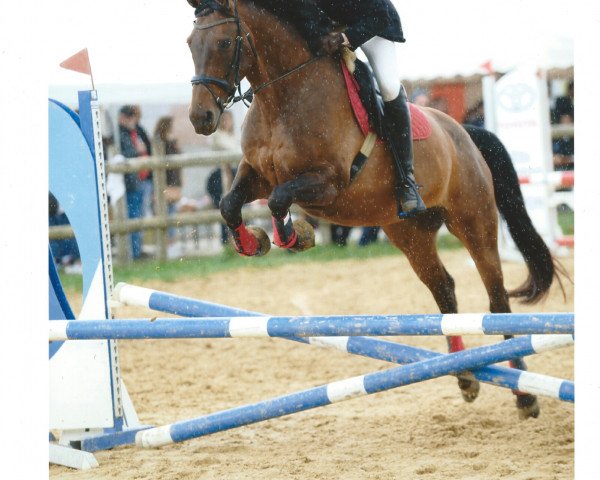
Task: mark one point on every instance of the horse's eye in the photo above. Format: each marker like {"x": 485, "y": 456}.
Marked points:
{"x": 224, "y": 44}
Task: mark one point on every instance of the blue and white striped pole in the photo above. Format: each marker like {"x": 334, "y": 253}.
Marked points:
{"x": 350, "y": 388}
{"x": 378, "y": 349}
{"x": 314, "y": 326}
{"x": 511, "y": 378}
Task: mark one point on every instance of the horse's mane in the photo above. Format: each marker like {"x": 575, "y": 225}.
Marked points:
{"x": 305, "y": 16}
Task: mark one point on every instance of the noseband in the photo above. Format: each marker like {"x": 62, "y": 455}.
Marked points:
{"x": 226, "y": 85}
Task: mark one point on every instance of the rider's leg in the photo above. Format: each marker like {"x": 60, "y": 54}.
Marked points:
{"x": 382, "y": 58}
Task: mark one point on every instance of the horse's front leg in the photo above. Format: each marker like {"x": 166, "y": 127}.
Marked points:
{"x": 247, "y": 186}
{"x": 309, "y": 189}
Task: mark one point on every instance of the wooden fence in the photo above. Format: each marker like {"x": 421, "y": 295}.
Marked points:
{"x": 160, "y": 222}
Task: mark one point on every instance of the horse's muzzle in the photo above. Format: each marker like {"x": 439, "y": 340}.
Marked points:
{"x": 204, "y": 121}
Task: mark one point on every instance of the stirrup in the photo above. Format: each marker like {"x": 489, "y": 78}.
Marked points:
{"x": 411, "y": 213}
{"x": 413, "y": 192}
{"x": 408, "y": 192}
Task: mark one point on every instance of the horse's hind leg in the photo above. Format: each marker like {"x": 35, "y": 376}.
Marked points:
{"x": 419, "y": 245}
{"x": 480, "y": 239}
{"x": 526, "y": 403}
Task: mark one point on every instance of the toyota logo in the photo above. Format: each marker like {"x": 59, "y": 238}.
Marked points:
{"x": 516, "y": 98}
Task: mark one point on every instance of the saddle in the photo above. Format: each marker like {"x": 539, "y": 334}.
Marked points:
{"x": 367, "y": 106}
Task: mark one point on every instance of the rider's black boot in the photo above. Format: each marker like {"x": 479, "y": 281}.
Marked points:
{"x": 396, "y": 116}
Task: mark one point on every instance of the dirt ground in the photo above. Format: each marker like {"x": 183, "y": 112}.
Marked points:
{"x": 422, "y": 431}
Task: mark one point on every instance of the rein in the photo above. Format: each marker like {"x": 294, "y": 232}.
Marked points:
{"x": 281, "y": 77}
{"x": 230, "y": 89}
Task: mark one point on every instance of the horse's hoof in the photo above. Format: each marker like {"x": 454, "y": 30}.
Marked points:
{"x": 306, "y": 236}
{"x": 469, "y": 386}
{"x": 528, "y": 406}
{"x": 264, "y": 243}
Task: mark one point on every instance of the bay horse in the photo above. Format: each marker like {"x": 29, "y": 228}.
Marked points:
{"x": 299, "y": 139}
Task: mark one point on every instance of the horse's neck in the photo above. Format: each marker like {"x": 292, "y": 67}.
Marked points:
{"x": 280, "y": 50}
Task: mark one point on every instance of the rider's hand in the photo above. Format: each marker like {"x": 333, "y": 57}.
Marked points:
{"x": 331, "y": 43}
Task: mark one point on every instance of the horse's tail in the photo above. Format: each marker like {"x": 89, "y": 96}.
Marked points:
{"x": 509, "y": 199}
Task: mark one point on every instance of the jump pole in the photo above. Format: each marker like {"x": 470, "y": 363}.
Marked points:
{"x": 375, "y": 348}
{"x": 314, "y": 326}
{"x": 452, "y": 363}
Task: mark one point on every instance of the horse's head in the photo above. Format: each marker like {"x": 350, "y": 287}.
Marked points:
{"x": 221, "y": 51}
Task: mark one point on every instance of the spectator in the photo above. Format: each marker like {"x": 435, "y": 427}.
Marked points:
{"x": 108, "y": 135}
{"x": 145, "y": 175}
{"x": 421, "y": 98}
{"x": 368, "y": 236}
{"x": 564, "y": 107}
{"x": 133, "y": 146}
{"x": 564, "y": 147}
{"x": 339, "y": 234}
{"x": 439, "y": 103}
{"x": 475, "y": 116}
{"x": 167, "y": 145}
{"x": 65, "y": 252}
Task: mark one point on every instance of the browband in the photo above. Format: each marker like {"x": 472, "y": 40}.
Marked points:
{"x": 214, "y": 24}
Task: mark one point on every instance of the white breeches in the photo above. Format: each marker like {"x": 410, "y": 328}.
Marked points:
{"x": 382, "y": 58}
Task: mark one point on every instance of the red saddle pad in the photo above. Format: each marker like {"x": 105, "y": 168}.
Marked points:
{"x": 421, "y": 128}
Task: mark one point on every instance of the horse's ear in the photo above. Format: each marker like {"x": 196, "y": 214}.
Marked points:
{"x": 194, "y": 3}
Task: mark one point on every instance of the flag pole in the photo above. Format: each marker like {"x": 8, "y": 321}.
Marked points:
{"x": 91, "y": 74}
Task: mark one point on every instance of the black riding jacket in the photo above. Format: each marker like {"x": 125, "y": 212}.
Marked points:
{"x": 363, "y": 19}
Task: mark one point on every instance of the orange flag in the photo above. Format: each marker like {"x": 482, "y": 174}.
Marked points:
{"x": 80, "y": 62}
{"x": 487, "y": 66}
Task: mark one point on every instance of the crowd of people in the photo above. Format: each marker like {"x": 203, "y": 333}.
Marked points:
{"x": 134, "y": 142}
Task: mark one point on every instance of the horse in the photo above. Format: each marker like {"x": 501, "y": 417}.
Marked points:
{"x": 299, "y": 139}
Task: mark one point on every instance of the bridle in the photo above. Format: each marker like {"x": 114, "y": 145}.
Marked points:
{"x": 234, "y": 69}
